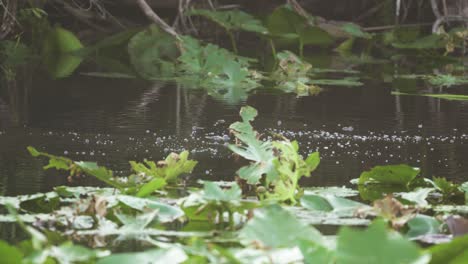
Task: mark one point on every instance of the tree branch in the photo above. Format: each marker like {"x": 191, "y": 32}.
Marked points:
{"x": 155, "y": 18}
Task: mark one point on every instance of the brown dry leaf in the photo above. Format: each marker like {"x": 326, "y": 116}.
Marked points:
{"x": 395, "y": 212}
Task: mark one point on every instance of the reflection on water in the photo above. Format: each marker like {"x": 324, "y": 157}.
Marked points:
{"x": 113, "y": 121}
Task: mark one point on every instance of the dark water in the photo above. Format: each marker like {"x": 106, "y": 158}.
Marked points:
{"x": 112, "y": 121}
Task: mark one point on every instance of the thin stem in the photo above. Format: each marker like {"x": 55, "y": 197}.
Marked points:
{"x": 233, "y": 41}
{"x": 273, "y": 48}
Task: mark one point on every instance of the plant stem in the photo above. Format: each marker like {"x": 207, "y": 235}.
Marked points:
{"x": 233, "y": 41}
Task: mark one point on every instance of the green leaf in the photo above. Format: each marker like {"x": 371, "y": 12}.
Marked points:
{"x": 375, "y": 245}
{"x": 57, "y": 53}
{"x": 390, "y": 175}
{"x": 212, "y": 192}
{"x": 314, "y": 253}
{"x": 10, "y": 254}
{"x": 434, "y": 41}
{"x": 418, "y": 196}
{"x": 232, "y": 20}
{"x": 170, "y": 169}
{"x": 446, "y": 187}
{"x": 253, "y": 149}
{"x": 166, "y": 213}
{"x": 422, "y": 225}
{"x": 273, "y": 226}
{"x": 286, "y": 24}
{"x": 101, "y": 173}
{"x": 151, "y": 186}
{"x": 330, "y": 203}
{"x": 450, "y": 253}
{"x": 154, "y": 256}
{"x": 152, "y": 52}
{"x": 356, "y": 31}
{"x": 55, "y": 162}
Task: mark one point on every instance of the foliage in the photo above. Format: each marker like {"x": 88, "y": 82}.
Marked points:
{"x": 278, "y": 160}
{"x": 255, "y": 150}
{"x": 376, "y": 245}
{"x": 221, "y": 72}
{"x": 147, "y": 178}
{"x": 57, "y": 52}
{"x": 274, "y": 227}
{"x": 285, "y": 25}
{"x": 13, "y": 54}
{"x": 232, "y": 20}
{"x": 390, "y": 175}
{"x": 213, "y": 203}
{"x": 152, "y": 53}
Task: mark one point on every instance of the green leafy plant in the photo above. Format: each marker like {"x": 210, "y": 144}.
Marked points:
{"x": 213, "y": 203}
{"x": 58, "y": 52}
{"x": 232, "y": 20}
{"x": 148, "y": 177}
{"x": 220, "y": 72}
{"x": 287, "y": 26}
{"x": 278, "y": 160}
{"x": 152, "y": 53}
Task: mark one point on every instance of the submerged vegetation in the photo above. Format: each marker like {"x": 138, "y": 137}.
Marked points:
{"x": 226, "y": 222}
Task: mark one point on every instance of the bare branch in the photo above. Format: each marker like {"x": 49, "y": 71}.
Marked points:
{"x": 155, "y": 18}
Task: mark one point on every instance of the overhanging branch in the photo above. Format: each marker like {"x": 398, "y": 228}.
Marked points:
{"x": 155, "y": 18}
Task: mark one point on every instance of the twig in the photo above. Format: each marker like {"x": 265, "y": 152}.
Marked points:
{"x": 378, "y": 28}
{"x": 155, "y": 18}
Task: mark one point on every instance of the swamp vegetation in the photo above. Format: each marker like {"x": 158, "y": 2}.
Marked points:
{"x": 194, "y": 187}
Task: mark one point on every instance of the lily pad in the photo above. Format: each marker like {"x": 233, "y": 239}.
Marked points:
{"x": 390, "y": 175}
{"x": 272, "y": 226}
{"x": 376, "y": 245}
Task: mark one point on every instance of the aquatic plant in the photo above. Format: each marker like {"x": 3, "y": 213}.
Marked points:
{"x": 147, "y": 178}
{"x": 276, "y": 163}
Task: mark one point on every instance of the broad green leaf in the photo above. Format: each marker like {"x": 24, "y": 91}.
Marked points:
{"x": 154, "y": 256}
{"x": 151, "y": 186}
{"x": 10, "y": 254}
{"x": 422, "y": 225}
{"x": 376, "y": 245}
{"x": 314, "y": 253}
{"x": 390, "y": 175}
{"x": 253, "y": 149}
{"x": 450, "y": 253}
{"x": 101, "y": 173}
{"x": 212, "y": 192}
{"x": 330, "y": 203}
{"x": 57, "y": 53}
{"x": 272, "y": 226}
{"x": 152, "y": 53}
{"x": 166, "y": 213}
{"x": 232, "y": 20}
{"x": 286, "y": 24}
